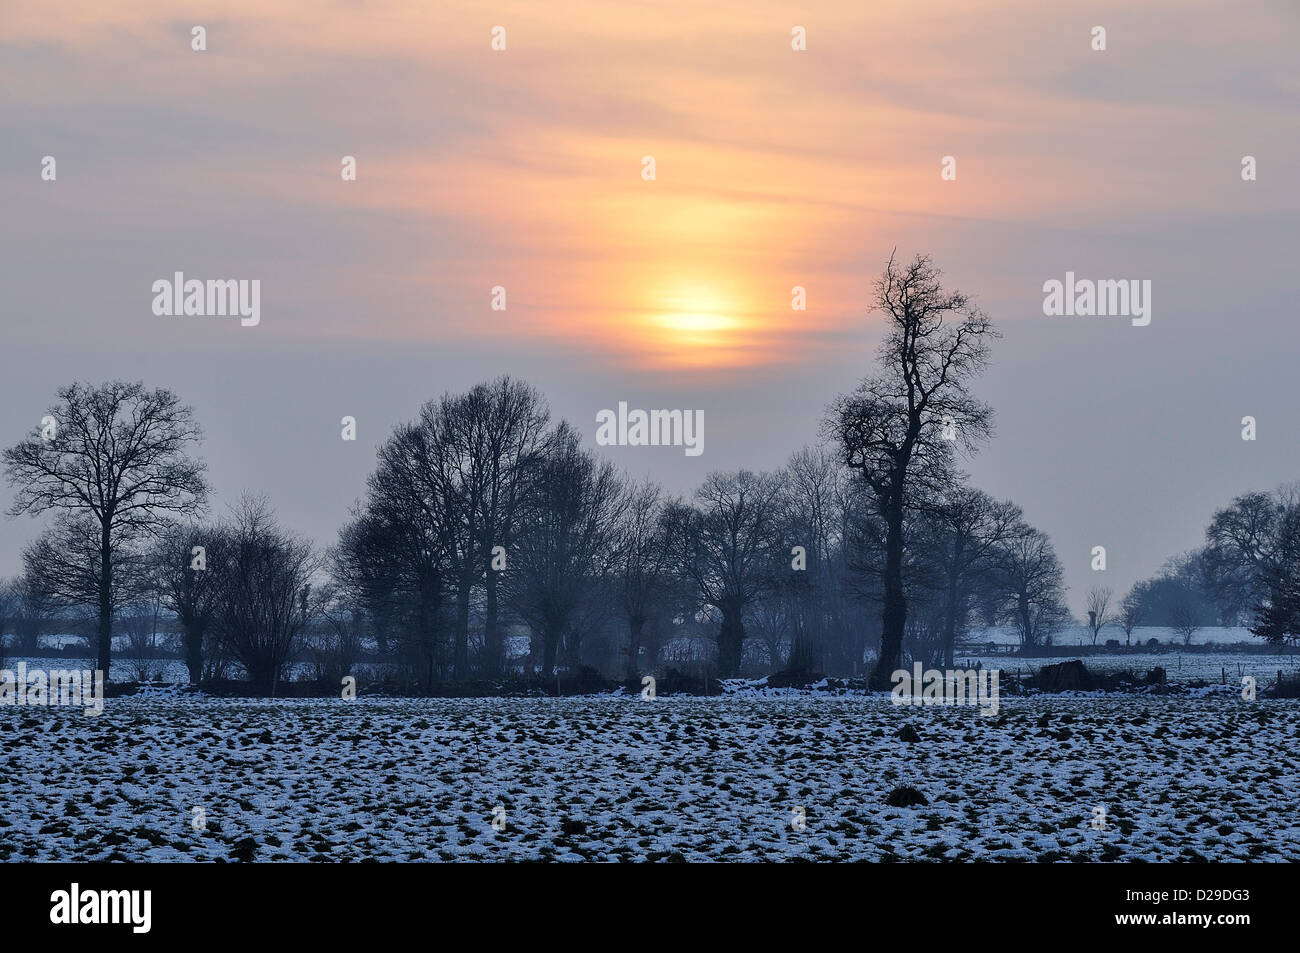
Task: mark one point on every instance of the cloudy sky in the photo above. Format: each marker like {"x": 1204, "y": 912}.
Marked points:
{"x": 522, "y": 168}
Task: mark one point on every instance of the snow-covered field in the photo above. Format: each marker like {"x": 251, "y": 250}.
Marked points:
{"x": 626, "y": 779}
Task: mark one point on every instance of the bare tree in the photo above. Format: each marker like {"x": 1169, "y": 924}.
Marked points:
{"x": 32, "y": 609}
{"x": 566, "y": 546}
{"x": 644, "y": 565}
{"x": 727, "y": 544}
{"x": 968, "y": 528}
{"x": 465, "y": 464}
{"x": 1245, "y": 542}
{"x": 265, "y": 599}
{"x": 1131, "y": 612}
{"x": 892, "y": 429}
{"x": 1185, "y": 620}
{"x": 514, "y": 422}
{"x": 186, "y": 562}
{"x": 1033, "y": 582}
{"x": 1098, "y": 609}
{"x": 118, "y": 457}
{"x": 810, "y": 497}
{"x": 140, "y": 623}
{"x": 64, "y": 566}
{"x": 337, "y": 647}
{"x": 392, "y": 556}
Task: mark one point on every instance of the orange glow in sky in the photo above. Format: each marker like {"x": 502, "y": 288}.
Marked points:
{"x": 522, "y": 168}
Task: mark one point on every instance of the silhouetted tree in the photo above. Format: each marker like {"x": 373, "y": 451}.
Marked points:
{"x": 1248, "y": 543}
{"x": 513, "y": 418}
{"x": 1034, "y": 586}
{"x": 967, "y": 527}
{"x": 643, "y": 566}
{"x": 118, "y": 458}
{"x": 265, "y": 599}
{"x": 727, "y": 543}
{"x": 1098, "y": 609}
{"x": 186, "y": 563}
{"x": 1277, "y": 617}
{"x": 1185, "y": 620}
{"x": 566, "y": 546}
{"x": 392, "y": 557}
{"x": 810, "y": 499}
{"x": 1131, "y": 612}
{"x": 892, "y": 428}
{"x": 65, "y": 566}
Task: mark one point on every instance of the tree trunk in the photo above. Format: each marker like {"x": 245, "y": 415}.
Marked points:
{"x": 494, "y": 654}
{"x": 804, "y": 645}
{"x": 634, "y": 627}
{"x": 573, "y": 652}
{"x": 1026, "y": 622}
{"x": 550, "y": 647}
{"x": 731, "y": 642}
{"x": 194, "y": 651}
{"x": 461, "y": 660}
{"x": 950, "y": 610}
{"x": 893, "y": 617}
{"x": 105, "y": 603}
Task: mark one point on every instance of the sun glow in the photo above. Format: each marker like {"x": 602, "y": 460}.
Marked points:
{"x": 697, "y": 322}
{"x": 696, "y": 314}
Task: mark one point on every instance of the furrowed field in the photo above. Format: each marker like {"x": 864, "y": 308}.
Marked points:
{"x": 624, "y": 779}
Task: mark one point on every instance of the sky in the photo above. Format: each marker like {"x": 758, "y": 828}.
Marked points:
{"x": 523, "y": 168}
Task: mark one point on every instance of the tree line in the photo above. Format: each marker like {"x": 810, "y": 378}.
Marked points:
{"x": 489, "y": 543}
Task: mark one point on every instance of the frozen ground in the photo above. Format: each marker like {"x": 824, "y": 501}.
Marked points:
{"x": 1180, "y": 777}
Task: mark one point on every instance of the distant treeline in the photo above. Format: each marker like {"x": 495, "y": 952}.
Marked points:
{"x": 486, "y": 525}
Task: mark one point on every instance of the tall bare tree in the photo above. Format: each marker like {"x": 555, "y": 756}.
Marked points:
{"x": 897, "y": 427}
{"x": 514, "y": 422}
{"x": 119, "y": 456}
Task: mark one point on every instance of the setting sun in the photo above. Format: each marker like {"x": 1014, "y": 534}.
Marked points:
{"x": 697, "y": 322}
